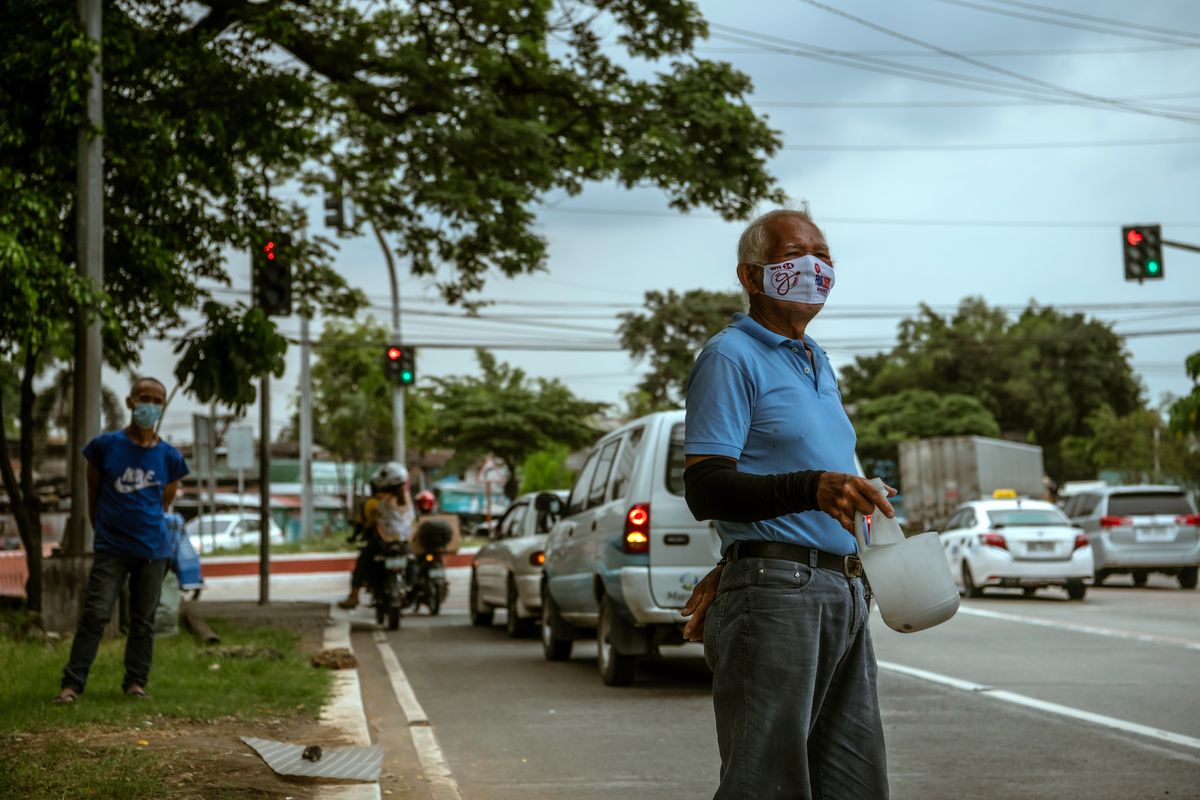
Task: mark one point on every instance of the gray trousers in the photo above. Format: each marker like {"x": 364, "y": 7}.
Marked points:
{"x": 794, "y": 685}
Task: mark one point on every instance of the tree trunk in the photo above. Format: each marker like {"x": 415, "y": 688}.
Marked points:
{"x": 21, "y": 496}
{"x": 512, "y": 486}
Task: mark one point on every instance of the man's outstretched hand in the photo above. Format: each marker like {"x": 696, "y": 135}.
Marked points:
{"x": 697, "y": 605}
{"x": 840, "y": 495}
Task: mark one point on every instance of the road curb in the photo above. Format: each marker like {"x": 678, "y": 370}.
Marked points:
{"x": 345, "y": 713}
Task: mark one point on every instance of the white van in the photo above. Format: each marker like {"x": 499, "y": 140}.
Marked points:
{"x": 625, "y": 556}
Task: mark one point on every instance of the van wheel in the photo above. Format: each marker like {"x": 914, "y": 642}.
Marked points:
{"x": 1187, "y": 577}
{"x": 1076, "y": 590}
{"x": 616, "y": 668}
{"x": 481, "y": 612}
{"x": 553, "y": 648}
{"x": 1099, "y": 578}
{"x": 517, "y": 628}
{"x": 969, "y": 582}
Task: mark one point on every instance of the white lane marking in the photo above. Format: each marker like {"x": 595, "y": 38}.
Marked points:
{"x": 442, "y": 785}
{"x": 1187, "y": 644}
{"x": 400, "y": 685}
{"x": 1042, "y": 705}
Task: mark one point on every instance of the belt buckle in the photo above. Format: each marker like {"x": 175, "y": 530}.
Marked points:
{"x": 852, "y": 567}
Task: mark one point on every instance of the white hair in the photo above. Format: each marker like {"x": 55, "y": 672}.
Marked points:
{"x": 755, "y": 241}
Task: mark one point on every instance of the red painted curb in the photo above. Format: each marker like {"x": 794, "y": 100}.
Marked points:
{"x": 229, "y": 569}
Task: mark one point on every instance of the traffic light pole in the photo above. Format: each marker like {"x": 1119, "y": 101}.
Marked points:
{"x": 1195, "y": 248}
{"x": 398, "y": 452}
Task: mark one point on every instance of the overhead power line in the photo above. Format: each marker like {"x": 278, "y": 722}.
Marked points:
{"x": 975, "y": 62}
{"x": 1081, "y": 51}
{"x": 933, "y": 148}
{"x": 1124, "y": 32}
{"x": 1120, "y": 24}
{"x": 975, "y": 103}
{"x": 904, "y": 221}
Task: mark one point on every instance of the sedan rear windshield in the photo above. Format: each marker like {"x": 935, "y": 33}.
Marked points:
{"x": 1017, "y": 517}
{"x": 1136, "y": 504}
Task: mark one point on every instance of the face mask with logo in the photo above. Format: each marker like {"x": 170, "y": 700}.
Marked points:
{"x": 145, "y": 415}
{"x": 807, "y": 280}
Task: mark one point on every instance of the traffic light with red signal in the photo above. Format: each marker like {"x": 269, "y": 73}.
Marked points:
{"x": 400, "y": 364}
{"x": 1142, "y": 246}
{"x": 271, "y": 274}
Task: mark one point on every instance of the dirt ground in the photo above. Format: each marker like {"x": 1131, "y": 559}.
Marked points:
{"x": 211, "y": 759}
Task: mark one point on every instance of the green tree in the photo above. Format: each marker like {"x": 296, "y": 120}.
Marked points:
{"x": 1040, "y": 375}
{"x": 446, "y": 122}
{"x": 1185, "y": 412}
{"x": 1139, "y": 446}
{"x": 546, "y": 470}
{"x": 504, "y": 413}
{"x": 882, "y": 423}
{"x": 669, "y": 334}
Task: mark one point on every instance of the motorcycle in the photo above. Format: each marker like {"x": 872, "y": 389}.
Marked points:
{"x": 389, "y": 585}
{"x": 427, "y": 579}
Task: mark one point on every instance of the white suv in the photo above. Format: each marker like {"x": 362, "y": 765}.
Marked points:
{"x": 627, "y": 552}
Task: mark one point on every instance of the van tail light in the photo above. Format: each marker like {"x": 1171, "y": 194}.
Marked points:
{"x": 1116, "y": 522}
{"x": 1190, "y": 519}
{"x": 637, "y": 529}
{"x": 537, "y": 559}
{"x": 993, "y": 540}
{"x": 1081, "y": 540}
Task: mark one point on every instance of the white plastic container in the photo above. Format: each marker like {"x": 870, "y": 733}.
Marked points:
{"x": 910, "y": 578}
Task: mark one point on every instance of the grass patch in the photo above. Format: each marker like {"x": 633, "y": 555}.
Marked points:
{"x": 94, "y": 748}
{"x": 188, "y": 681}
{"x": 70, "y": 769}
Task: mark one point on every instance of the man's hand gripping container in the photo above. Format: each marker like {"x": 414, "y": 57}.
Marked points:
{"x": 910, "y": 578}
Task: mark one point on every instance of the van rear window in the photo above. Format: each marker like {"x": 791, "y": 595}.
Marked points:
{"x": 675, "y": 460}
{"x": 1135, "y": 504}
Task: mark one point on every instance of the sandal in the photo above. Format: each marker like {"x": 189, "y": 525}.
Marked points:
{"x": 66, "y": 697}
{"x": 348, "y": 605}
{"x": 137, "y": 691}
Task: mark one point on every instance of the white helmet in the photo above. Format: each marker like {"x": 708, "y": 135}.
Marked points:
{"x": 390, "y": 475}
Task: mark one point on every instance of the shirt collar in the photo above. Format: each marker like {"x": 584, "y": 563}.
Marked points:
{"x": 747, "y": 324}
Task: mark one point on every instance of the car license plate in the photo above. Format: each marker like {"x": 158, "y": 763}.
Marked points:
{"x": 1041, "y": 547}
{"x": 1154, "y": 534}
{"x": 394, "y": 562}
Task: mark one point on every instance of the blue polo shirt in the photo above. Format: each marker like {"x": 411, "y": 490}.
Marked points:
{"x": 129, "y": 510}
{"x": 753, "y": 396}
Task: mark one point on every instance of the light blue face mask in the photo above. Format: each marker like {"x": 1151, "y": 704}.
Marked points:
{"x": 145, "y": 415}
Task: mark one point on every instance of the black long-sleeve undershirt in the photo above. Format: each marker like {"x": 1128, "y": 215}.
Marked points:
{"x": 714, "y": 489}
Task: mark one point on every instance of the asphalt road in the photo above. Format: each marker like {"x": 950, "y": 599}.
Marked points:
{"x": 1014, "y": 697}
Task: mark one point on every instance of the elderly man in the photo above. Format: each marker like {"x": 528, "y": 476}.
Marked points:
{"x": 132, "y": 478}
{"x": 770, "y": 457}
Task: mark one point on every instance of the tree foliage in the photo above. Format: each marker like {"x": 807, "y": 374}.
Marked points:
{"x": 1185, "y": 412}
{"x": 1040, "y": 375}
{"x": 884, "y": 422}
{"x": 446, "y": 122}
{"x": 504, "y": 413}
{"x": 1126, "y": 444}
{"x": 546, "y": 470}
{"x": 669, "y": 334}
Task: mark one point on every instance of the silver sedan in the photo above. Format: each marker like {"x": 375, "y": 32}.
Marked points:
{"x": 507, "y": 571}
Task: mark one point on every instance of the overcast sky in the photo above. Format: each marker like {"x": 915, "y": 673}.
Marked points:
{"x": 917, "y": 155}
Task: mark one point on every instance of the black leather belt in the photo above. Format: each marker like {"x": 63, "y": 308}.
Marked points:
{"x": 849, "y": 566}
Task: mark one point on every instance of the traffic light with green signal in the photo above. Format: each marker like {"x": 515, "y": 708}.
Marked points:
{"x": 400, "y": 364}
{"x": 271, "y": 274}
{"x": 1142, "y": 245}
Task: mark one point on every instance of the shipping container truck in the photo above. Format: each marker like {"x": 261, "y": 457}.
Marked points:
{"x": 938, "y": 474}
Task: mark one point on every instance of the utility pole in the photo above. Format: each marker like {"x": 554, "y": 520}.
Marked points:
{"x": 89, "y": 239}
{"x": 264, "y": 491}
{"x": 398, "y": 452}
{"x": 306, "y": 432}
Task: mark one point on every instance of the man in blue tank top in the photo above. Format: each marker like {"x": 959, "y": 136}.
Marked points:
{"x": 132, "y": 477}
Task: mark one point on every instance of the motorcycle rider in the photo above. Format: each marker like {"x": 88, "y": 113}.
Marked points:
{"x": 386, "y": 516}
